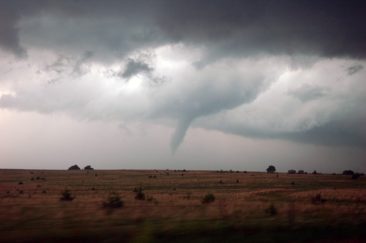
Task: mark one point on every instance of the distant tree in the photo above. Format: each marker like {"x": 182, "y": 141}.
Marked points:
{"x": 300, "y": 172}
{"x": 315, "y": 172}
{"x": 271, "y": 169}
{"x": 348, "y": 172}
{"x": 74, "y": 167}
{"x": 291, "y": 171}
{"x": 88, "y": 167}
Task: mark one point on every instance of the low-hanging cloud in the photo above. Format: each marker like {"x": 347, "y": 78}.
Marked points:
{"x": 134, "y": 67}
{"x": 308, "y": 92}
{"x": 354, "y": 69}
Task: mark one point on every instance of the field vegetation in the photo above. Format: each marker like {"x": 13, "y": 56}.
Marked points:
{"x": 180, "y": 205}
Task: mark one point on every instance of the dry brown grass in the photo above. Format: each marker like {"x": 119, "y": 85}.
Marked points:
{"x": 174, "y": 198}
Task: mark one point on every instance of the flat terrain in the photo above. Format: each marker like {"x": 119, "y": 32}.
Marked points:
{"x": 253, "y": 207}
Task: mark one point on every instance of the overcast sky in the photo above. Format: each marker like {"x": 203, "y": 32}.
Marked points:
{"x": 183, "y": 84}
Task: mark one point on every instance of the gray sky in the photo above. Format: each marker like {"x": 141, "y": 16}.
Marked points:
{"x": 183, "y": 84}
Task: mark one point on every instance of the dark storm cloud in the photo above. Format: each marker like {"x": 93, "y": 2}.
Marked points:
{"x": 134, "y": 67}
{"x": 9, "y": 39}
{"x": 354, "y": 69}
{"x": 332, "y": 133}
{"x": 325, "y": 28}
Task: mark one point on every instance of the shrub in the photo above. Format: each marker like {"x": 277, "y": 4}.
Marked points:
{"x": 271, "y": 210}
{"x": 300, "y": 172}
{"x": 348, "y": 172}
{"x": 140, "y": 195}
{"x": 271, "y": 169}
{"x": 113, "y": 201}
{"x": 66, "y": 196}
{"x": 208, "y": 198}
{"x": 355, "y": 176}
{"x": 152, "y": 199}
{"x": 291, "y": 171}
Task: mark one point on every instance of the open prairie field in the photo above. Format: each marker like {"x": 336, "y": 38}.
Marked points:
{"x": 167, "y": 205}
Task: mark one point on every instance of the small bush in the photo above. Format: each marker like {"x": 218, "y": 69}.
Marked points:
{"x": 151, "y": 199}
{"x": 208, "y": 198}
{"x": 271, "y": 210}
{"x": 66, "y": 196}
{"x": 140, "y": 195}
{"x": 355, "y": 176}
{"x": 20, "y": 183}
{"x": 113, "y": 201}
{"x": 291, "y": 171}
{"x": 300, "y": 172}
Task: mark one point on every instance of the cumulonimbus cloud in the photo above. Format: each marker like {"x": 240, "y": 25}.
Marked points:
{"x": 231, "y": 62}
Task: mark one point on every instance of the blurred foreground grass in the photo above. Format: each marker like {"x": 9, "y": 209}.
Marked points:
{"x": 252, "y": 207}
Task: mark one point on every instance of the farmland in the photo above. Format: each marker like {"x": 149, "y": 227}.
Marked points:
{"x": 247, "y": 206}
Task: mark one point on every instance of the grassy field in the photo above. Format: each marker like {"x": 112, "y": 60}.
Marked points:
{"x": 252, "y": 207}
